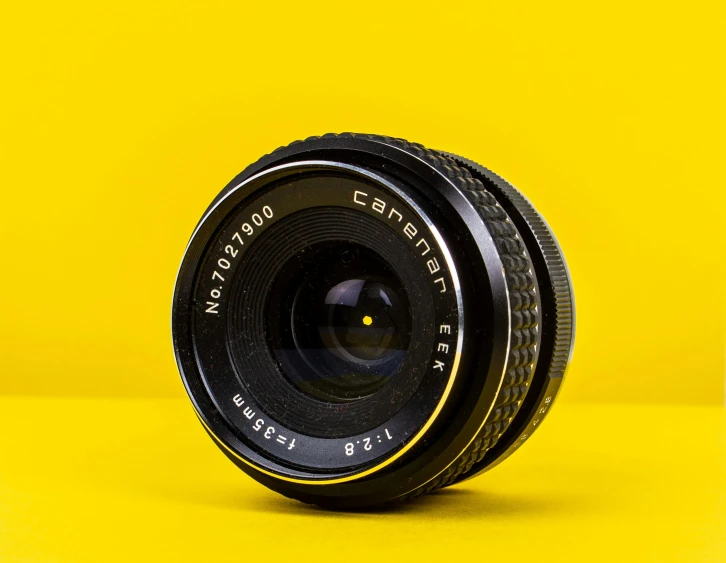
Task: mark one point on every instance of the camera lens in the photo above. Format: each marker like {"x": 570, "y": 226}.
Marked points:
{"x": 359, "y": 320}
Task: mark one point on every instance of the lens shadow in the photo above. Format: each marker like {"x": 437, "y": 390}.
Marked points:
{"x": 460, "y": 503}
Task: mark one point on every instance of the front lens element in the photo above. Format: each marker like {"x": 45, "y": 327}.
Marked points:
{"x": 351, "y": 323}
{"x": 363, "y": 322}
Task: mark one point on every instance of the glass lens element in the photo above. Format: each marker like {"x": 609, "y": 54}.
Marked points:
{"x": 361, "y": 321}
{"x": 350, "y": 322}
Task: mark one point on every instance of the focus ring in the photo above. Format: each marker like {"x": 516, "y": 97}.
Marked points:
{"x": 558, "y": 273}
{"x": 554, "y": 274}
{"x": 524, "y": 329}
{"x": 523, "y": 296}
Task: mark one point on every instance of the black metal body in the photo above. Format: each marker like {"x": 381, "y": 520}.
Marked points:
{"x": 497, "y": 280}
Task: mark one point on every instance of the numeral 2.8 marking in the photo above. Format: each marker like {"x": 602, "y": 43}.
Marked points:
{"x": 367, "y": 445}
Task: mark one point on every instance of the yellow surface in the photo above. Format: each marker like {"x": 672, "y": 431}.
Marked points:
{"x": 119, "y": 121}
{"x": 138, "y": 480}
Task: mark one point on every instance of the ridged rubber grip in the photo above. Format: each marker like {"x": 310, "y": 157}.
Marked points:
{"x": 554, "y": 279}
{"x": 558, "y": 273}
{"x": 523, "y": 296}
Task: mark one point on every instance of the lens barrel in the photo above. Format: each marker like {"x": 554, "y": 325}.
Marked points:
{"x": 359, "y": 320}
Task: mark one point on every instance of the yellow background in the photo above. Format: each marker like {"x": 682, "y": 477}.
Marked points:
{"x": 598, "y": 485}
{"x": 120, "y": 122}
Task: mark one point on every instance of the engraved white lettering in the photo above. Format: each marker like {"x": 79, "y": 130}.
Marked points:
{"x": 400, "y": 217}
{"x": 358, "y": 201}
{"x": 428, "y": 248}
{"x": 378, "y": 205}
{"x": 433, "y": 265}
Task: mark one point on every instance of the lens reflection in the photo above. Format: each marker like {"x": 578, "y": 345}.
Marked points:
{"x": 350, "y": 322}
{"x": 361, "y": 321}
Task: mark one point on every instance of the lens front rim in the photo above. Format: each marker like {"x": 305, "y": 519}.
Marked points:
{"x": 213, "y": 426}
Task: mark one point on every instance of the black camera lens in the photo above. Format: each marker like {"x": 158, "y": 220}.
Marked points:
{"x": 359, "y": 320}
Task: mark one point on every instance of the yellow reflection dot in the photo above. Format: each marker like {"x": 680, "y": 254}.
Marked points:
{"x": 368, "y": 321}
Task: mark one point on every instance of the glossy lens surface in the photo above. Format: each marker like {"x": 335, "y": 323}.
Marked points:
{"x": 350, "y": 324}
